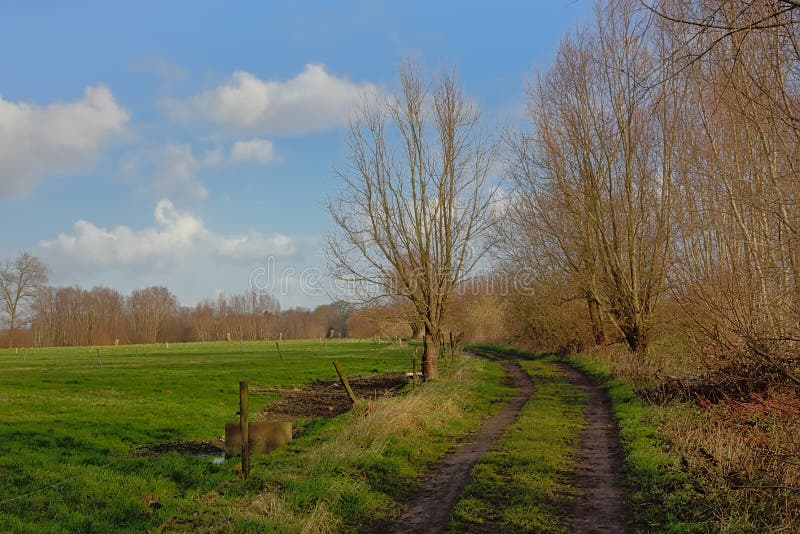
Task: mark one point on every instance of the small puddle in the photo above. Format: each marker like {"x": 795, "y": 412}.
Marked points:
{"x": 211, "y": 457}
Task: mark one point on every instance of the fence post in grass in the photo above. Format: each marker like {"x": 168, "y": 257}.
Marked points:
{"x": 452, "y": 346}
{"x": 344, "y": 381}
{"x": 243, "y": 409}
{"x": 414, "y": 370}
{"x": 99, "y": 361}
{"x": 278, "y": 346}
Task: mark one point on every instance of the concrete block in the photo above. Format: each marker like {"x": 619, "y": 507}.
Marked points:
{"x": 263, "y": 436}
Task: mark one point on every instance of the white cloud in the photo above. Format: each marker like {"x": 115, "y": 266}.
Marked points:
{"x": 311, "y": 101}
{"x": 61, "y": 137}
{"x": 255, "y": 150}
{"x": 174, "y": 168}
{"x": 175, "y": 236}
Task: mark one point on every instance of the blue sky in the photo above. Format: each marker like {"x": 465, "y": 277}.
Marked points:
{"x": 182, "y": 143}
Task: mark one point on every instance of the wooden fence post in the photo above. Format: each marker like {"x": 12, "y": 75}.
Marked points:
{"x": 243, "y": 430}
{"x": 344, "y": 381}
{"x": 99, "y": 361}
{"x": 278, "y": 346}
{"x": 414, "y": 370}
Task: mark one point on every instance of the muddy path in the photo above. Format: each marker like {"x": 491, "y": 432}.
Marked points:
{"x": 430, "y": 511}
{"x": 599, "y": 504}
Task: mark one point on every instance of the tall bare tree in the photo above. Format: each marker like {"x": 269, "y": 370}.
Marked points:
{"x": 148, "y": 311}
{"x": 739, "y": 247}
{"x": 20, "y": 279}
{"x": 414, "y": 200}
{"x": 595, "y": 175}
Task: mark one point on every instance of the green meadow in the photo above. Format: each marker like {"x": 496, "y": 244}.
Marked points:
{"x": 69, "y": 422}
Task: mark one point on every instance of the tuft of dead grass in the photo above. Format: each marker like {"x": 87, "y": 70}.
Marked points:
{"x": 358, "y": 467}
{"x": 746, "y": 460}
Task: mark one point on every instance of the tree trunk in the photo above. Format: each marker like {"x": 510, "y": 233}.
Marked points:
{"x": 416, "y": 329}
{"x": 430, "y": 353}
{"x": 636, "y": 338}
{"x": 11, "y": 326}
{"x": 598, "y": 334}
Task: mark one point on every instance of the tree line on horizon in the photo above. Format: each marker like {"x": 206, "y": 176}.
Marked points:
{"x": 39, "y": 315}
{"x": 46, "y": 315}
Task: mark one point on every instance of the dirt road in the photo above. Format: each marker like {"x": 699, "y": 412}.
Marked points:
{"x": 430, "y": 511}
{"x": 599, "y": 504}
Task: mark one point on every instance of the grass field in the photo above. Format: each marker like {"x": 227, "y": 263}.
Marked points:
{"x": 68, "y": 426}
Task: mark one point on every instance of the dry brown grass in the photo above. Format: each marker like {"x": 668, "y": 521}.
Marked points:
{"x": 333, "y": 468}
{"x": 746, "y": 457}
{"x": 742, "y": 454}
{"x": 379, "y": 422}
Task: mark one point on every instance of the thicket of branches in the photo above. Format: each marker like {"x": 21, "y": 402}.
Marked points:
{"x": 663, "y": 161}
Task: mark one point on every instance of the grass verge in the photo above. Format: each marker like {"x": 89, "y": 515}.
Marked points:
{"x": 523, "y": 485}
{"x": 348, "y": 472}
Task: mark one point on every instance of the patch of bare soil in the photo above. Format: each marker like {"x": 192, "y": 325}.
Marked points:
{"x": 431, "y": 510}
{"x": 600, "y": 499}
{"x": 328, "y": 399}
{"x": 195, "y": 448}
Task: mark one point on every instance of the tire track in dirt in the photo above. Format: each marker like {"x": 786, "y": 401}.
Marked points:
{"x": 430, "y": 511}
{"x": 600, "y": 500}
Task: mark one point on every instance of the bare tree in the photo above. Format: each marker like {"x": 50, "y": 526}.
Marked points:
{"x": 148, "y": 311}
{"x": 20, "y": 279}
{"x": 739, "y": 246}
{"x": 414, "y": 201}
{"x": 595, "y": 175}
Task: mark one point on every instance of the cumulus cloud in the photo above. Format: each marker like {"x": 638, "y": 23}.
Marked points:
{"x": 175, "y": 236}
{"x": 313, "y": 100}
{"x": 255, "y": 150}
{"x": 58, "y": 138}
{"x": 173, "y": 169}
